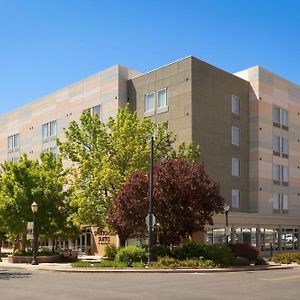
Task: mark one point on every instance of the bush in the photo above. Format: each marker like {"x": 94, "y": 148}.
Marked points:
{"x": 220, "y": 254}
{"x": 19, "y": 252}
{"x": 131, "y": 254}
{"x": 160, "y": 251}
{"x": 241, "y": 261}
{"x": 138, "y": 265}
{"x": 44, "y": 252}
{"x": 110, "y": 251}
{"x": 244, "y": 250}
{"x": 103, "y": 264}
{"x": 172, "y": 263}
{"x": 261, "y": 261}
{"x": 287, "y": 258}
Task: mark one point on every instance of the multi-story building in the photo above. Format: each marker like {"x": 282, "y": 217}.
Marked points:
{"x": 247, "y": 125}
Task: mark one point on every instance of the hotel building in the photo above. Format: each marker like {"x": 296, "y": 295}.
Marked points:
{"x": 247, "y": 125}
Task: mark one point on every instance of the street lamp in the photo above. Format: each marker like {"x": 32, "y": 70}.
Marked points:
{"x": 150, "y": 227}
{"x": 34, "y": 208}
{"x": 226, "y": 210}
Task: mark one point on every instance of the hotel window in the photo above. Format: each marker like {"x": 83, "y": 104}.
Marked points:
{"x": 285, "y": 119}
{"x": 276, "y": 116}
{"x": 235, "y": 105}
{"x": 162, "y": 98}
{"x": 276, "y": 145}
{"x": 285, "y": 147}
{"x": 280, "y": 117}
{"x": 285, "y": 203}
{"x": 276, "y": 203}
{"x": 276, "y": 174}
{"x": 13, "y": 142}
{"x": 235, "y": 136}
{"x": 96, "y": 110}
{"x": 285, "y": 175}
{"x": 235, "y": 166}
{"x": 49, "y": 129}
{"x": 149, "y": 102}
{"x": 235, "y": 198}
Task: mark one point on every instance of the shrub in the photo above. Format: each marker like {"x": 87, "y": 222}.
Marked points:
{"x": 160, "y": 251}
{"x": 172, "y": 263}
{"x": 110, "y": 251}
{"x": 287, "y": 258}
{"x": 261, "y": 261}
{"x": 19, "y": 252}
{"x": 138, "y": 265}
{"x": 131, "y": 254}
{"x": 241, "y": 261}
{"x": 220, "y": 254}
{"x": 44, "y": 252}
{"x": 244, "y": 250}
{"x": 103, "y": 264}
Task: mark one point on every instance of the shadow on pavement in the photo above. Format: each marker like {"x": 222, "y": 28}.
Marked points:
{"x": 5, "y": 275}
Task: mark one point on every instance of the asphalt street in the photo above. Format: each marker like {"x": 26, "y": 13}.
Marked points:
{"x": 272, "y": 284}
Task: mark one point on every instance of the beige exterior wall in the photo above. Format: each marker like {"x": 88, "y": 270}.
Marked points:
{"x": 267, "y": 90}
{"x": 107, "y": 88}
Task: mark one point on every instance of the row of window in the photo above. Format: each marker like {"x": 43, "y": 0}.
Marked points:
{"x": 235, "y": 140}
{"x": 48, "y": 130}
{"x": 161, "y": 100}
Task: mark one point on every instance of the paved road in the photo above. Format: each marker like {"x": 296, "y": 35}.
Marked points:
{"x": 41, "y": 285}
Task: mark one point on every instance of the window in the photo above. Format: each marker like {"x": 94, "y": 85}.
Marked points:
{"x": 162, "y": 98}
{"x": 96, "y": 110}
{"x": 280, "y": 117}
{"x": 285, "y": 119}
{"x": 285, "y": 147}
{"x": 285, "y": 203}
{"x": 235, "y": 105}
{"x": 45, "y": 133}
{"x": 276, "y": 116}
{"x": 49, "y": 129}
{"x": 149, "y": 102}
{"x": 235, "y": 136}
{"x": 13, "y": 142}
{"x": 280, "y": 203}
{"x": 285, "y": 175}
{"x": 276, "y": 203}
{"x": 235, "y": 198}
{"x": 276, "y": 174}
{"x": 276, "y": 145}
{"x": 235, "y": 167}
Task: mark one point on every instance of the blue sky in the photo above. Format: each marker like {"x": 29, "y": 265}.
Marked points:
{"x": 48, "y": 44}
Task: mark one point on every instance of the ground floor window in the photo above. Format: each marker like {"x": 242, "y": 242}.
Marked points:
{"x": 266, "y": 239}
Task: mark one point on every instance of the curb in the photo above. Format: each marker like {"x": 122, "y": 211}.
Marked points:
{"x": 151, "y": 271}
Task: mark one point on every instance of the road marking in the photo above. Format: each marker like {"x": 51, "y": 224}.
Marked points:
{"x": 282, "y": 278}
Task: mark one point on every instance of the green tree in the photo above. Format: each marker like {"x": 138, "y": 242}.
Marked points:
{"x": 31, "y": 180}
{"x": 105, "y": 154}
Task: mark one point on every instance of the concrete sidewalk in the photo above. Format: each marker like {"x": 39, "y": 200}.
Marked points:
{"x": 66, "y": 267}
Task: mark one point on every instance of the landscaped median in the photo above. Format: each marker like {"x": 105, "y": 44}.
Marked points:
{"x": 189, "y": 256}
{"x": 43, "y": 256}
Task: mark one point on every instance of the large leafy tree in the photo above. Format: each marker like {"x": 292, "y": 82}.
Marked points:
{"x": 104, "y": 155}
{"x": 185, "y": 199}
{"x": 32, "y": 180}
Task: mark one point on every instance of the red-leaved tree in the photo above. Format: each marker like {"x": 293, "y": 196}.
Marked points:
{"x": 185, "y": 199}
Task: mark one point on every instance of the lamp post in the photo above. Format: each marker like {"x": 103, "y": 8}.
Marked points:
{"x": 150, "y": 227}
{"x": 226, "y": 210}
{"x": 34, "y": 208}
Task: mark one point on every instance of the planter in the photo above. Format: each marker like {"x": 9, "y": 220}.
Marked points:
{"x": 28, "y": 259}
